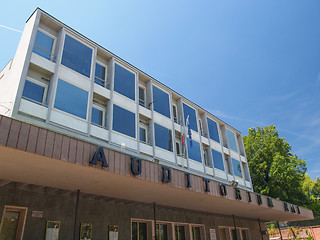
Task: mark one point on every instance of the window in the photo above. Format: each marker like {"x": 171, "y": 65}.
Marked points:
{"x": 13, "y": 221}
{"x": 196, "y": 233}
{"x": 178, "y": 147}
{"x": 163, "y": 137}
{"x": 194, "y": 152}
{"x": 245, "y": 234}
{"x": 217, "y": 160}
{"x": 98, "y": 114}
{"x": 143, "y": 127}
{"x": 124, "y": 121}
{"x": 44, "y": 45}
{"x": 207, "y": 161}
{"x": 142, "y": 96}
{"x": 224, "y": 233}
{"x": 228, "y": 164}
{"x": 124, "y": 82}
{"x": 162, "y": 232}
{"x": 175, "y": 113}
{"x": 188, "y": 111}
{"x": 180, "y": 232}
{"x": 36, "y": 90}
{"x": 213, "y": 130}
{"x": 161, "y": 101}
{"x": 246, "y": 171}
{"x": 139, "y": 231}
{"x": 100, "y": 75}
{"x": 236, "y": 167}
{"x": 71, "y": 99}
{"x": 232, "y": 140}
{"x": 77, "y": 56}
{"x": 201, "y": 128}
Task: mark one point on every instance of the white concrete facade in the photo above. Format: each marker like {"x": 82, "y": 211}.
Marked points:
{"x": 29, "y": 65}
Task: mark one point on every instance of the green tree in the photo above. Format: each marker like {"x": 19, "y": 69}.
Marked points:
{"x": 275, "y": 171}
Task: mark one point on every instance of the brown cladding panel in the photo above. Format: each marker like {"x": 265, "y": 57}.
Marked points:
{"x": 41, "y": 141}
{"x": 32, "y": 139}
{"x": 57, "y": 146}
{"x": 143, "y": 170}
{"x": 65, "y": 148}
{"x": 4, "y": 130}
{"x": 123, "y": 164}
{"x": 86, "y": 154}
{"x": 117, "y": 157}
{"x": 72, "y": 150}
{"x": 111, "y": 161}
{"x": 49, "y": 144}
{"x": 128, "y": 165}
{"x": 14, "y": 134}
{"x": 23, "y": 136}
{"x": 79, "y": 153}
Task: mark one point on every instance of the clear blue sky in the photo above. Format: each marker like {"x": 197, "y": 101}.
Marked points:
{"x": 251, "y": 63}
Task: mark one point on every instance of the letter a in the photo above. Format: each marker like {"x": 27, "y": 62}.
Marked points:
{"x": 99, "y": 156}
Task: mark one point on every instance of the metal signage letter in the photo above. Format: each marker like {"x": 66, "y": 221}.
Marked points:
{"x": 135, "y": 170}
{"x": 99, "y": 156}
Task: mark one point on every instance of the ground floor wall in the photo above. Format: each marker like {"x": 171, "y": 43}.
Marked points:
{"x": 71, "y": 209}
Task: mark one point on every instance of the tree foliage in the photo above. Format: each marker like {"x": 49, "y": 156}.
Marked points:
{"x": 275, "y": 171}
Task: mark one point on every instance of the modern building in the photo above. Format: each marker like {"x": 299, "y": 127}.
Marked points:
{"x": 93, "y": 147}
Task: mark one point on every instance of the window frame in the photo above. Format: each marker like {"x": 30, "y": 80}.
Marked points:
{"x": 52, "y": 58}
{"x": 84, "y": 43}
{"x": 145, "y": 126}
{"x": 135, "y": 119}
{"x": 135, "y": 79}
{"x": 235, "y": 140}
{"x": 144, "y": 96}
{"x": 41, "y": 83}
{"x": 178, "y": 142}
{"x": 21, "y": 222}
{"x": 149, "y": 226}
{"x": 102, "y": 108}
{"x": 106, "y": 84}
{"x": 155, "y": 137}
{"x": 67, "y": 113}
{"x": 186, "y": 116}
{"x": 175, "y": 112}
{"x": 218, "y": 128}
{"x": 154, "y": 101}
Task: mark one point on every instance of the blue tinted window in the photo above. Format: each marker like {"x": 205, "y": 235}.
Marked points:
{"x": 188, "y": 111}
{"x": 33, "y": 91}
{"x": 213, "y": 130}
{"x": 161, "y": 101}
{"x": 124, "y": 121}
{"x": 76, "y": 56}
{"x": 163, "y": 137}
{"x": 43, "y": 45}
{"x": 71, "y": 99}
{"x": 217, "y": 160}
{"x": 194, "y": 151}
{"x": 97, "y": 116}
{"x": 236, "y": 167}
{"x": 124, "y": 82}
{"x": 100, "y": 75}
{"x": 232, "y": 140}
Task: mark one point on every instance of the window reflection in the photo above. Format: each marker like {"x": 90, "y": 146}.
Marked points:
{"x": 124, "y": 81}
{"x": 76, "y": 56}
{"x": 124, "y": 121}
{"x": 71, "y": 99}
{"x": 161, "y": 101}
{"x": 43, "y": 45}
{"x": 213, "y": 130}
{"x": 236, "y": 167}
{"x": 188, "y": 111}
{"x": 194, "y": 150}
{"x": 217, "y": 160}
{"x": 232, "y": 140}
{"x": 163, "y": 137}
